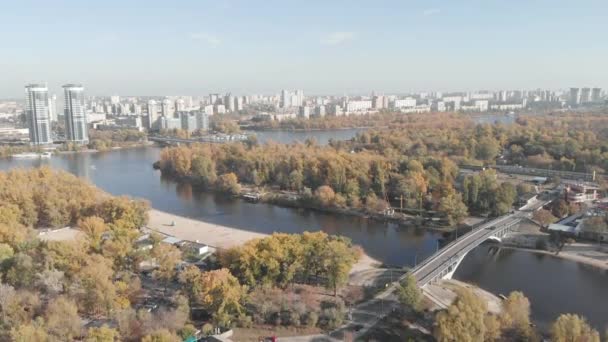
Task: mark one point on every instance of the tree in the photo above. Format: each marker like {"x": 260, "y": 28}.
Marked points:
{"x": 162, "y": 335}
{"x": 463, "y": 320}
{"x": 229, "y": 184}
{"x": 62, "y": 318}
{"x": 505, "y": 196}
{"x": 340, "y": 260}
{"x": 559, "y": 208}
{"x": 487, "y": 149}
{"x": 93, "y": 227}
{"x": 97, "y": 292}
{"x": 544, "y": 217}
{"x": 454, "y": 209}
{"x": 101, "y": 334}
{"x": 221, "y": 295}
{"x": 570, "y": 327}
{"x": 203, "y": 168}
{"x": 595, "y": 226}
{"x": 325, "y": 195}
{"x": 22, "y": 271}
{"x": 167, "y": 257}
{"x": 516, "y": 314}
{"x": 409, "y": 293}
{"x": 33, "y": 331}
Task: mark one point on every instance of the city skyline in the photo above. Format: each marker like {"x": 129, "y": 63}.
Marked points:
{"x": 147, "y": 48}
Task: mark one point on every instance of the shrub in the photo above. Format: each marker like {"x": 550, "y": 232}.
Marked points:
{"x": 312, "y": 318}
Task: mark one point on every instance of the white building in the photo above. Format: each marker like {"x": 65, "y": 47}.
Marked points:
{"x": 166, "y": 109}
{"x": 180, "y": 105}
{"x": 361, "y": 106}
{"x": 208, "y": 109}
{"x": 404, "y": 103}
{"x": 304, "y": 112}
{"x": 169, "y": 122}
{"x": 37, "y": 114}
{"x": 202, "y": 120}
{"x": 220, "y": 109}
{"x": 75, "y": 115}
{"x": 53, "y": 108}
{"x": 152, "y": 115}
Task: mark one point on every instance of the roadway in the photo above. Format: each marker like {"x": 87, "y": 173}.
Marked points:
{"x": 367, "y": 314}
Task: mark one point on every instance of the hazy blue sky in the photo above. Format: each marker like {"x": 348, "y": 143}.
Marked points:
{"x": 193, "y": 47}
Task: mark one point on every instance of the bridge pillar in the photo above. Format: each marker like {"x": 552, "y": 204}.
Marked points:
{"x": 449, "y": 272}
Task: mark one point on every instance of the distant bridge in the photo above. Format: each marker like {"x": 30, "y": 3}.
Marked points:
{"x": 212, "y": 139}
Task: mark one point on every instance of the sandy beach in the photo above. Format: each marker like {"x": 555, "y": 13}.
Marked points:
{"x": 578, "y": 252}
{"x": 218, "y": 236}
{"x": 210, "y": 234}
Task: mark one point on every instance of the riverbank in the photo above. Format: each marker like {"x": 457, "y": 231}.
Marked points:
{"x": 583, "y": 253}
{"x": 316, "y": 129}
{"x": 221, "y": 237}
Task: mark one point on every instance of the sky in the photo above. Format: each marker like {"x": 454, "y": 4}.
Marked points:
{"x": 193, "y": 47}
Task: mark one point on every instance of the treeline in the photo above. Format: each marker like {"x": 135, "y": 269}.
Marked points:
{"x": 468, "y": 319}
{"x": 329, "y": 122}
{"x": 482, "y": 193}
{"x": 325, "y": 176}
{"x": 269, "y": 265}
{"x": 48, "y": 288}
{"x": 102, "y": 140}
{"x": 560, "y": 141}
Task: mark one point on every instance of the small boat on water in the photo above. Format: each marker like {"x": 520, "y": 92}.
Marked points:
{"x": 32, "y": 155}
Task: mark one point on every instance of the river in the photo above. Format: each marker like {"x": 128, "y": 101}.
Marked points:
{"x": 553, "y": 285}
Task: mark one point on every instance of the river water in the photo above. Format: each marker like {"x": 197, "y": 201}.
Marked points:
{"x": 553, "y": 285}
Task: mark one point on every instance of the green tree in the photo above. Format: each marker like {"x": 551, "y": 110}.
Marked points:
{"x": 487, "y": 149}
{"x": 203, "y": 169}
{"x": 454, "y": 209}
{"x": 340, "y": 259}
{"x": 569, "y": 327}
{"x": 409, "y": 293}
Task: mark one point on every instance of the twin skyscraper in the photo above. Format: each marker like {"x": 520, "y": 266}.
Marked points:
{"x": 38, "y": 114}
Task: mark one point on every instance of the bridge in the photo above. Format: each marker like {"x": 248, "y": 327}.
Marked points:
{"x": 440, "y": 265}
{"x": 443, "y": 263}
{"x": 214, "y": 139}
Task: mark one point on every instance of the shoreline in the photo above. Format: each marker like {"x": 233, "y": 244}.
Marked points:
{"x": 568, "y": 255}
{"x": 289, "y": 130}
{"x": 221, "y": 237}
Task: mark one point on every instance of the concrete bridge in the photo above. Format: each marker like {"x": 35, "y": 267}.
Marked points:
{"x": 214, "y": 139}
{"x": 442, "y": 264}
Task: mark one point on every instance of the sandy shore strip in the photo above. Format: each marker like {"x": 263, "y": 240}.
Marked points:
{"x": 218, "y": 236}
{"x": 569, "y": 253}
{"x": 189, "y": 229}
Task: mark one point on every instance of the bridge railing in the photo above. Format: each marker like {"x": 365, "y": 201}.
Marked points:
{"x": 464, "y": 250}
{"x": 445, "y": 248}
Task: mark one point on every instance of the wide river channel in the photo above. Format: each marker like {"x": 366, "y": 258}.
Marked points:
{"x": 553, "y": 285}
